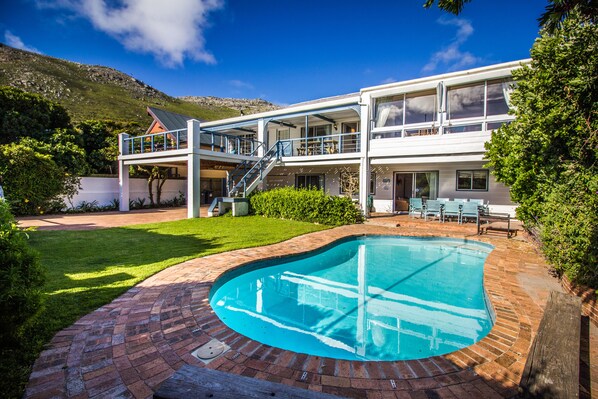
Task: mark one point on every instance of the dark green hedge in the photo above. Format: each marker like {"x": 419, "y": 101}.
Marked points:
{"x": 569, "y": 227}
{"x": 312, "y": 206}
{"x": 21, "y": 279}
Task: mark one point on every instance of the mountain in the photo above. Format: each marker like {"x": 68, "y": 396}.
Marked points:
{"x": 98, "y": 92}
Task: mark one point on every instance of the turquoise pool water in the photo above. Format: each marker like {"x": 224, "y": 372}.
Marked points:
{"x": 366, "y": 298}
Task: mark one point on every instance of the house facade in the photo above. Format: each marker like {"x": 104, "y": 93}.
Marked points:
{"x": 418, "y": 138}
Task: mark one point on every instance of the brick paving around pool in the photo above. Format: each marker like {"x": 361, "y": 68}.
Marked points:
{"x": 128, "y": 347}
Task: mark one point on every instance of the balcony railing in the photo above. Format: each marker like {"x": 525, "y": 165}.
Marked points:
{"x": 177, "y": 139}
{"x": 322, "y": 145}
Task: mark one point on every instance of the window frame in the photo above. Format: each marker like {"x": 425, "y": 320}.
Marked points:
{"x": 321, "y": 180}
{"x": 472, "y": 171}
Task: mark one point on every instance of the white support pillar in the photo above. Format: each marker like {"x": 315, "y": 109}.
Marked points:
{"x": 364, "y": 161}
{"x": 262, "y": 137}
{"x": 193, "y": 170}
{"x": 123, "y": 174}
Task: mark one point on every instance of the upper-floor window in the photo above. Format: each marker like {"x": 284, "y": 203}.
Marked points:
{"x": 479, "y": 100}
{"x": 406, "y": 109}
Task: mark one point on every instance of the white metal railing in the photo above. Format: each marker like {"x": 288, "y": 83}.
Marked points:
{"x": 163, "y": 141}
{"x": 321, "y": 145}
{"x": 459, "y": 126}
{"x": 177, "y": 139}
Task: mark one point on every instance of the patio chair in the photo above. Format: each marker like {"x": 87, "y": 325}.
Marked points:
{"x": 415, "y": 206}
{"x": 433, "y": 208}
{"x": 443, "y": 200}
{"x": 470, "y": 210}
{"x": 452, "y": 209}
{"x": 480, "y": 202}
{"x": 461, "y": 199}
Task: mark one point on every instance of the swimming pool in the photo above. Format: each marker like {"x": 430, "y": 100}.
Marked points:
{"x": 366, "y": 298}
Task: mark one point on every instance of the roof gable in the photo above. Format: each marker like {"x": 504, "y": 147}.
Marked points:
{"x": 169, "y": 120}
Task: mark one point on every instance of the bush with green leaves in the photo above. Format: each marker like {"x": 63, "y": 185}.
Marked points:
{"x": 569, "y": 230}
{"x": 33, "y": 182}
{"x": 307, "y": 205}
{"x": 21, "y": 279}
{"x": 549, "y": 154}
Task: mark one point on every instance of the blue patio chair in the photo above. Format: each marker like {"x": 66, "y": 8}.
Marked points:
{"x": 461, "y": 199}
{"x": 415, "y": 206}
{"x": 452, "y": 209}
{"x": 480, "y": 202}
{"x": 433, "y": 208}
{"x": 443, "y": 200}
{"x": 470, "y": 210}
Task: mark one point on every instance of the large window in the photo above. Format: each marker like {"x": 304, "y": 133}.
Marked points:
{"x": 472, "y": 180}
{"x": 309, "y": 181}
{"x": 406, "y": 109}
{"x": 389, "y": 111}
{"x": 479, "y": 100}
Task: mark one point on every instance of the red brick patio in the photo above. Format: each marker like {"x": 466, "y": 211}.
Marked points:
{"x": 129, "y": 347}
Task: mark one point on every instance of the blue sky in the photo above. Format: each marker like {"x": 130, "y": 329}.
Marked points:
{"x": 284, "y": 51}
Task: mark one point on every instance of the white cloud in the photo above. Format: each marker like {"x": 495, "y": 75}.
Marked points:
{"x": 16, "y": 42}
{"x": 170, "y": 30}
{"x": 388, "y": 80}
{"x": 239, "y": 84}
{"x": 451, "y": 56}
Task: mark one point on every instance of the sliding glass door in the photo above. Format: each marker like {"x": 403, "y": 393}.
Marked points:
{"x": 414, "y": 185}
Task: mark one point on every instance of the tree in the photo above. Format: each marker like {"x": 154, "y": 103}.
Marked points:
{"x": 158, "y": 174}
{"x": 548, "y": 155}
{"x": 33, "y": 182}
{"x": 556, "y": 11}
{"x": 100, "y": 142}
{"x": 40, "y": 154}
{"x": 28, "y": 115}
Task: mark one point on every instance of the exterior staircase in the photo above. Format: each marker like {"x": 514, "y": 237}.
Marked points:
{"x": 256, "y": 174}
{"x": 244, "y": 179}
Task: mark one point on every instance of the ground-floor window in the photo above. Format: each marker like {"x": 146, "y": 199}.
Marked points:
{"x": 472, "y": 180}
{"x": 310, "y": 181}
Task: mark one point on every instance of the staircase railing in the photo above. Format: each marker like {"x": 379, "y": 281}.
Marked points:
{"x": 237, "y": 174}
{"x": 257, "y": 173}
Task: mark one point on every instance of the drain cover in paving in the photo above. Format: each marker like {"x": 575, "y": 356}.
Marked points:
{"x": 210, "y": 351}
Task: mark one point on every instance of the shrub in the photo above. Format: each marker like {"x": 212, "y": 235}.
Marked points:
{"x": 33, "y": 182}
{"x": 312, "y": 206}
{"x": 569, "y": 228}
{"x": 21, "y": 279}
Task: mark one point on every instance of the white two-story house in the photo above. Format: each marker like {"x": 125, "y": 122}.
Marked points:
{"x": 417, "y": 138}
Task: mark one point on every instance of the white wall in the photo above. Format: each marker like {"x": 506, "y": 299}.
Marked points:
{"x": 497, "y": 194}
{"x": 105, "y": 189}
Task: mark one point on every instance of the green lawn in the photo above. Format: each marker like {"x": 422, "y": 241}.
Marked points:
{"x": 87, "y": 269}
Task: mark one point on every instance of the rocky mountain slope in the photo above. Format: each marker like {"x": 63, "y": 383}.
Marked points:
{"x": 98, "y": 92}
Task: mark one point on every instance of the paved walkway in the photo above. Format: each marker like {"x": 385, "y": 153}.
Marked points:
{"x": 129, "y": 347}
{"x": 89, "y": 221}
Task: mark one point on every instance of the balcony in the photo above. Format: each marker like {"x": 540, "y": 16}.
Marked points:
{"x": 177, "y": 140}
{"x": 344, "y": 143}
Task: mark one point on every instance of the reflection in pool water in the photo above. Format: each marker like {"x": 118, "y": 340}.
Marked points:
{"x": 368, "y": 298}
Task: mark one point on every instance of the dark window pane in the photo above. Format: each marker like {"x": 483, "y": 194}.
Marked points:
{"x": 466, "y": 102}
{"x": 495, "y": 125}
{"x": 477, "y": 127}
{"x": 464, "y": 180}
{"x": 480, "y": 180}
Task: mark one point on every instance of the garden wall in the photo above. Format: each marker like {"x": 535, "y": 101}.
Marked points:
{"x": 105, "y": 189}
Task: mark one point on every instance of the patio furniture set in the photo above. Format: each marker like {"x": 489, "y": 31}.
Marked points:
{"x": 463, "y": 210}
